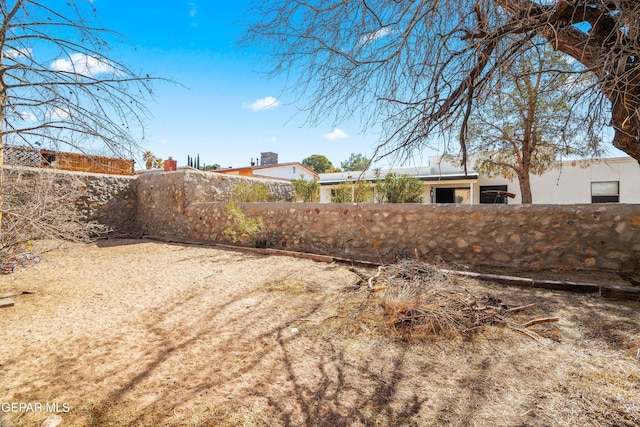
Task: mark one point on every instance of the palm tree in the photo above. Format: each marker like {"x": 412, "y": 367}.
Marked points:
{"x": 149, "y": 158}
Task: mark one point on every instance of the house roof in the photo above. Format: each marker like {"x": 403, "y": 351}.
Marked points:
{"x": 443, "y": 170}
{"x": 434, "y": 173}
{"x": 257, "y": 168}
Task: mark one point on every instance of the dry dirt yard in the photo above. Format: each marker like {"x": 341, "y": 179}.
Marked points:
{"x": 140, "y": 333}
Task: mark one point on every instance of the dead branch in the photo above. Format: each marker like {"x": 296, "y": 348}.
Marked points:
{"x": 530, "y": 334}
{"x": 361, "y": 277}
{"x": 421, "y": 299}
{"x": 521, "y": 308}
{"x": 6, "y": 302}
{"x": 371, "y": 279}
{"x": 538, "y": 321}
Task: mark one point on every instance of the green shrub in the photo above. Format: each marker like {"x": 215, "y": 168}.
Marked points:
{"x": 245, "y": 230}
{"x": 396, "y": 188}
{"x": 346, "y": 192}
{"x": 306, "y": 190}
{"x": 248, "y": 191}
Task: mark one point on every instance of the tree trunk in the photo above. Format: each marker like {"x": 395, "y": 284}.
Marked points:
{"x": 2, "y": 112}
{"x": 525, "y": 188}
{"x": 1, "y": 181}
{"x": 618, "y": 75}
{"x": 626, "y": 123}
{"x": 607, "y": 51}
{"x": 524, "y": 177}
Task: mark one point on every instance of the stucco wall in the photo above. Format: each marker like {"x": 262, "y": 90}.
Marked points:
{"x": 566, "y": 184}
{"x": 535, "y": 237}
{"x": 571, "y": 183}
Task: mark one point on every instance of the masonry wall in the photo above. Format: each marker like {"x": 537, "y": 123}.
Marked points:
{"x": 110, "y": 200}
{"x": 107, "y": 199}
{"x": 532, "y": 237}
{"x": 191, "y": 205}
{"x": 163, "y": 197}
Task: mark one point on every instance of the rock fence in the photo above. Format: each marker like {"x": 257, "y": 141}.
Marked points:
{"x": 525, "y": 236}
{"x": 163, "y": 198}
{"x": 191, "y": 205}
{"x": 110, "y": 200}
{"x": 106, "y": 199}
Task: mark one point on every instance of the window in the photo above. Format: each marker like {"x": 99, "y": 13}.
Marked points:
{"x": 453, "y": 195}
{"x": 605, "y": 192}
{"x": 294, "y": 170}
{"x": 493, "y": 194}
{"x": 445, "y": 195}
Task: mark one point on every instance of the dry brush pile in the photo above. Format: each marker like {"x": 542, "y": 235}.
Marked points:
{"x": 420, "y": 300}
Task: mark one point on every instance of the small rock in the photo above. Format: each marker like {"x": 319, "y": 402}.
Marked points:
{"x": 294, "y": 330}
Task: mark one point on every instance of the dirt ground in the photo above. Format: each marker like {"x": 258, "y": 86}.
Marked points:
{"x": 132, "y": 332}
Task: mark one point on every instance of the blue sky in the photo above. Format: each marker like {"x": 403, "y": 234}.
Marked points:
{"x": 224, "y": 108}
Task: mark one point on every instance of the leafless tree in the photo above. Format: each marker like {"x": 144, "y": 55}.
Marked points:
{"x": 59, "y": 89}
{"x": 41, "y": 204}
{"x": 421, "y": 67}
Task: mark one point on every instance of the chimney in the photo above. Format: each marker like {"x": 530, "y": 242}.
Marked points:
{"x": 268, "y": 158}
{"x": 170, "y": 165}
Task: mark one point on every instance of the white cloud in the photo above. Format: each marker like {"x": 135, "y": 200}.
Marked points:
{"x": 58, "y": 113}
{"x": 262, "y": 104}
{"x": 193, "y": 9}
{"x": 378, "y": 34}
{"x": 82, "y": 64}
{"x": 335, "y": 135}
{"x": 28, "y": 116}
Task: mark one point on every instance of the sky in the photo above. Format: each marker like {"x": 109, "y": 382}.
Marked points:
{"x": 222, "y": 105}
{"x": 213, "y": 98}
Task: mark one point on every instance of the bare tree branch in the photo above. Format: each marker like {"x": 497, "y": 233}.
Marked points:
{"x": 83, "y": 99}
{"x": 416, "y": 68}
{"x": 60, "y": 89}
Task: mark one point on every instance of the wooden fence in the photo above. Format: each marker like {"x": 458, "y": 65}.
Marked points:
{"x": 26, "y": 156}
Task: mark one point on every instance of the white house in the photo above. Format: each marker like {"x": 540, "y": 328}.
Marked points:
{"x": 569, "y": 182}
{"x": 270, "y": 168}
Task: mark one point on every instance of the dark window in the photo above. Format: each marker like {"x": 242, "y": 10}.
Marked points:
{"x": 493, "y": 194}
{"x": 605, "y": 192}
{"x": 445, "y": 195}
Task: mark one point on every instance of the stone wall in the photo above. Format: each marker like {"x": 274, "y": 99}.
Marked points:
{"x": 191, "y": 205}
{"x": 526, "y": 236}
{"x": 110, "y": 200}
{"x": 106, "y": 199}
{"x": 163, "y": 197}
